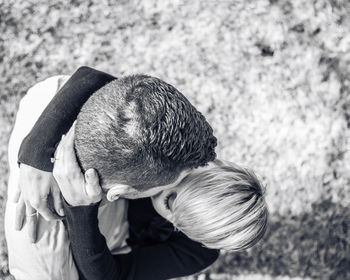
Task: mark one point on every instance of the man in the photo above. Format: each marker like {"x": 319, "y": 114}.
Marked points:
{"x": 159, "y": 136}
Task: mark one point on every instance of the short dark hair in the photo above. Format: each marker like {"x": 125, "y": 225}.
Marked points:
{"x": 143, "y": 132}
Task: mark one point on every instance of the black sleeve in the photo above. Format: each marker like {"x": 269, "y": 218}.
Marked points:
{"x": 178, "y": 256}
{"x": 38, "y": 146}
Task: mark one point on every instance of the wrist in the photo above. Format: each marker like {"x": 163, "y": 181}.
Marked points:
{"x": 77, "y": 203}
{"x": 82, "y": 225}
{"x": 36, "y": 152}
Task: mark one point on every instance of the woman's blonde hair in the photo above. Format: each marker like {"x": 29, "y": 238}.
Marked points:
{"x": 223, "y": 207}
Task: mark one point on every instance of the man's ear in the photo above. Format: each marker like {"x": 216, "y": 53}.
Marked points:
{"x": 117, "y": 191}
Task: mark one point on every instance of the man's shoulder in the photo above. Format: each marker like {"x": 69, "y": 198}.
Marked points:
{"x": 45, "y": 89}
{"x": 51, "y": 83}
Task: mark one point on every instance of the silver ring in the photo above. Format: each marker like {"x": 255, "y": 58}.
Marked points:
{"x": 53, "y": 159}
{"x": 33, "y": 214}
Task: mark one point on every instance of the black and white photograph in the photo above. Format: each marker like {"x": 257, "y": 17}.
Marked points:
{"x": 173, "y": 139}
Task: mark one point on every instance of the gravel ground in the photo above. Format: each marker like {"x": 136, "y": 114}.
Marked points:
{"x": 272, "y": 78}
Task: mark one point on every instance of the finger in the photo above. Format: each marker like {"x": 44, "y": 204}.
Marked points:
{"x": 67, "y": 140}
{"x": 57, "y": 199}
{"x": 17, "y": 194}
{"x": 45, "y": 211}
{"x": 70, "y": 135}
{"x": 61, "y": 162}
{"x": 32, "y": 219}
{"x": 92, "y": 186}
{"x": 65, "y": 152}
{"x": 64, "y": 138}
{"x": 59, "y": 148}
{"x": 20, "y": 214}
{"x": 69, "y": 144}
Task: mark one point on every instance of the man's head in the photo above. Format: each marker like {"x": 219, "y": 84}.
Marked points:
{"x": 221, "y": 206}
{"x": 141, "y": 132}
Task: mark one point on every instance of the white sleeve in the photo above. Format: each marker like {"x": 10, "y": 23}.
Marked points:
{"x": 30, "y": 108}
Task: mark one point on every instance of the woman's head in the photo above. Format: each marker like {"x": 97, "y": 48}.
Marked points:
{"x": 221, "y": 206}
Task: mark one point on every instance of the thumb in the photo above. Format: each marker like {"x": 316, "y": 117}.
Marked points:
{"x": 92, "y": 186}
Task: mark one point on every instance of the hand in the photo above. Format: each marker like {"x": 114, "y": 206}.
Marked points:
{"x": 31, "y": 197}
{"x": 77, "y": 189}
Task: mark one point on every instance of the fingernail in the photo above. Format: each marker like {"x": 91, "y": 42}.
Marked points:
{"x": 61, "y": 212}
{"x": 18, "y": 225}
{"x": 89, "y": 173}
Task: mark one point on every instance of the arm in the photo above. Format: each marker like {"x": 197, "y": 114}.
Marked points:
{"x": 39, "y": 145}
{"x": 36, "y": 150}
{"x": 178, "y": 256}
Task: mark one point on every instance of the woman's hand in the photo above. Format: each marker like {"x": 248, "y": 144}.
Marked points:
{"x": 34, "y": 188}
{"x": 77, "y": 189}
